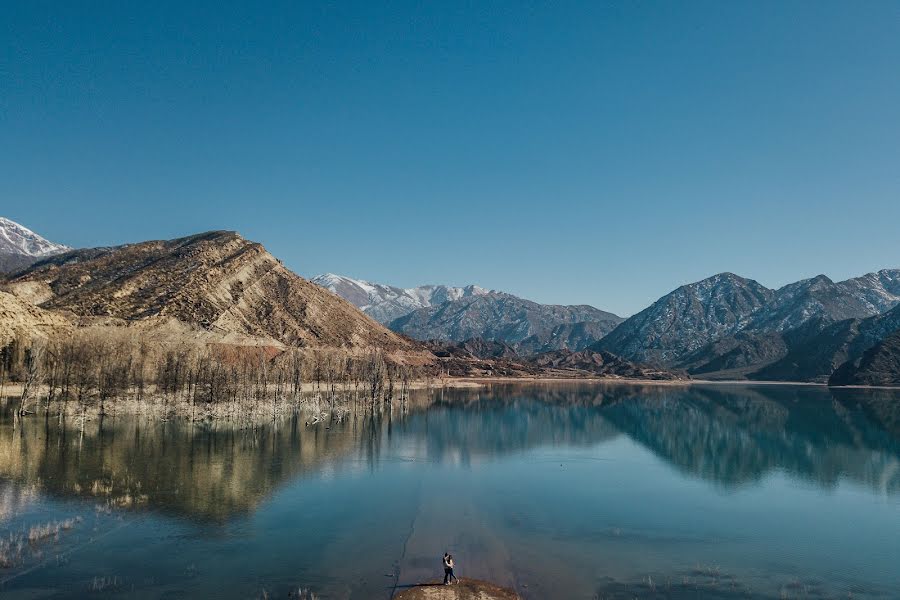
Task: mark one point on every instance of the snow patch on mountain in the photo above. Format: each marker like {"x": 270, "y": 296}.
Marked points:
{"x": 384, "y": 303}
{"x": 18, "y": 239}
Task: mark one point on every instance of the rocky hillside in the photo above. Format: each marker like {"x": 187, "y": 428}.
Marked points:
{"x": 687, "y": 319}
{"x": 527, "y": 326}
{"x": 879, "y": 365}
{"x": 728, "y": 326}
{"x": 20, "y": 318}
{"x": 479, "y": 357}
{"x": 600, "y": 363}
{"x": 817, "y": 349}
{"x": 384, "y": 303}
{"x": 20, "y": 247}
{"x": 475, "y": 348}
{"x": 216, "y": 282}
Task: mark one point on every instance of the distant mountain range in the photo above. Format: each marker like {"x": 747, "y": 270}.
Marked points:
{"x": 729, "y": 326}
{"x": 457, "y": 314}
{"x": 20, "y": 247}
{"x": 219, "y": 287}
{"x": 723, "y": 327}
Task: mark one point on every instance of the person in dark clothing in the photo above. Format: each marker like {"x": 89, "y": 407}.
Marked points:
{"x": 449, "y": 577}
{"x": 448, "y": 570}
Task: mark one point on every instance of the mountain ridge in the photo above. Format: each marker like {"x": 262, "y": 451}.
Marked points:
{"x": 215, "y": 281}
{"x": 20, "y": 246}
{"x": 384, "y": 303}
{"x": 457, "y": 314}
{"x": 735, "y": 326}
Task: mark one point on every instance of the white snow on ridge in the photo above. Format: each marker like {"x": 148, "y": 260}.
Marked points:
{"x": 18, "y": 239}
{"x": 385, "y": 303}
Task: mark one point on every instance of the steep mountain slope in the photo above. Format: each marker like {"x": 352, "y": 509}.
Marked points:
{"x": 384, "y": 303}
{"x": 879, "y": 365}
{"x": 818, "y": 348}
{"x": 819, "y": 297}
{"x": 528, "y": 326}
{"x": 215, "y": 281}
{"x": 20, "y": 247}
{"x": 728, "y": 326}
{"x": 687, "y": 319}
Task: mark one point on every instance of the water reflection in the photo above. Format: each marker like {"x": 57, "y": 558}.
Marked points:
{"x": 206, "y": 472}
{"x": 491, "y": 457}
{"x": 732, "y": 436}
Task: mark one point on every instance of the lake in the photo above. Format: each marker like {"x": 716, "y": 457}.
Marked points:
{"x": 558, "y": 490}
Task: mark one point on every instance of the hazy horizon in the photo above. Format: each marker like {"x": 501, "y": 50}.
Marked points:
{"x": 597, "y": 154}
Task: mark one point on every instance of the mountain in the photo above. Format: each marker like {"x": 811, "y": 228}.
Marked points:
{"x": 816, "y": 351}
{"x": 384, "y": 303}
{"x": 20, "y": 247}
{"x": 527, "y": 326}
{"x": 819, "y": 297}
{"x": 728, "y": 326}
{"x": 476, "y": 348}
{"x": 879, "y": 365}
{"x": 599, "y": 363}
{"x": 215, "y": 282}
{"x": 687, "y": 319}
{"x": 478, "y": 357}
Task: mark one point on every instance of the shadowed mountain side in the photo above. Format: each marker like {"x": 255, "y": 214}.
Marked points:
{"x": 477, "y": 357}
{"x": 817, "y": 349}
{"x": 600, "y": 363}
{"x": 735, "y": 356}
{"x": 10, "y": 262}
{"x": 879, "y": 365}
{"x": 730, "y": 327}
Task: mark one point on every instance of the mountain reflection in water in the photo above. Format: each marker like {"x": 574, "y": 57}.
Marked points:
{"x": 733, "y": 437}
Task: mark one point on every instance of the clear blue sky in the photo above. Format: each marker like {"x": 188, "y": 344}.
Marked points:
{"x": 591, "y": 152}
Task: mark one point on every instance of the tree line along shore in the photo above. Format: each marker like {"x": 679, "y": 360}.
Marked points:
{"x": 92, "y": 370}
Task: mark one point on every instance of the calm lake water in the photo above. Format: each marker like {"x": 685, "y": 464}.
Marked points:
{"x": 562, "y": 491}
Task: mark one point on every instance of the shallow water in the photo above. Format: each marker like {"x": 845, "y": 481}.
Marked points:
{"x": 562, "y": 491}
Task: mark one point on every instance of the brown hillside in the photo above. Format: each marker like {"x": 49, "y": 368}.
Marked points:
{"x": 19, "y": 318}
{"x": 216, "y": 281}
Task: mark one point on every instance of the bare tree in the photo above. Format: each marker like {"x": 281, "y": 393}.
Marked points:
{"x": 32, "y": 375}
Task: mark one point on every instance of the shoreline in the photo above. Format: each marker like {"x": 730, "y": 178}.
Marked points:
{"x": 474, "y": 381}
{"x": 13, "y": 390}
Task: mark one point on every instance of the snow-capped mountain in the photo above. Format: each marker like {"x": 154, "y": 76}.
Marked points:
{"x": 457, "y": 314}
{"x": 527, "y": 326}
{"x": 19, "y": 246}
{"x": 687, "y": 319}
{"x": 384, "y": 303}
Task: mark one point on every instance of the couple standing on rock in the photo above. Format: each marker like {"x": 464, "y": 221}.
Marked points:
{"x": 448, "y": 569}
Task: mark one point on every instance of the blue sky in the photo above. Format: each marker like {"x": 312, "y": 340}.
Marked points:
{"x": 594, "y": 152}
